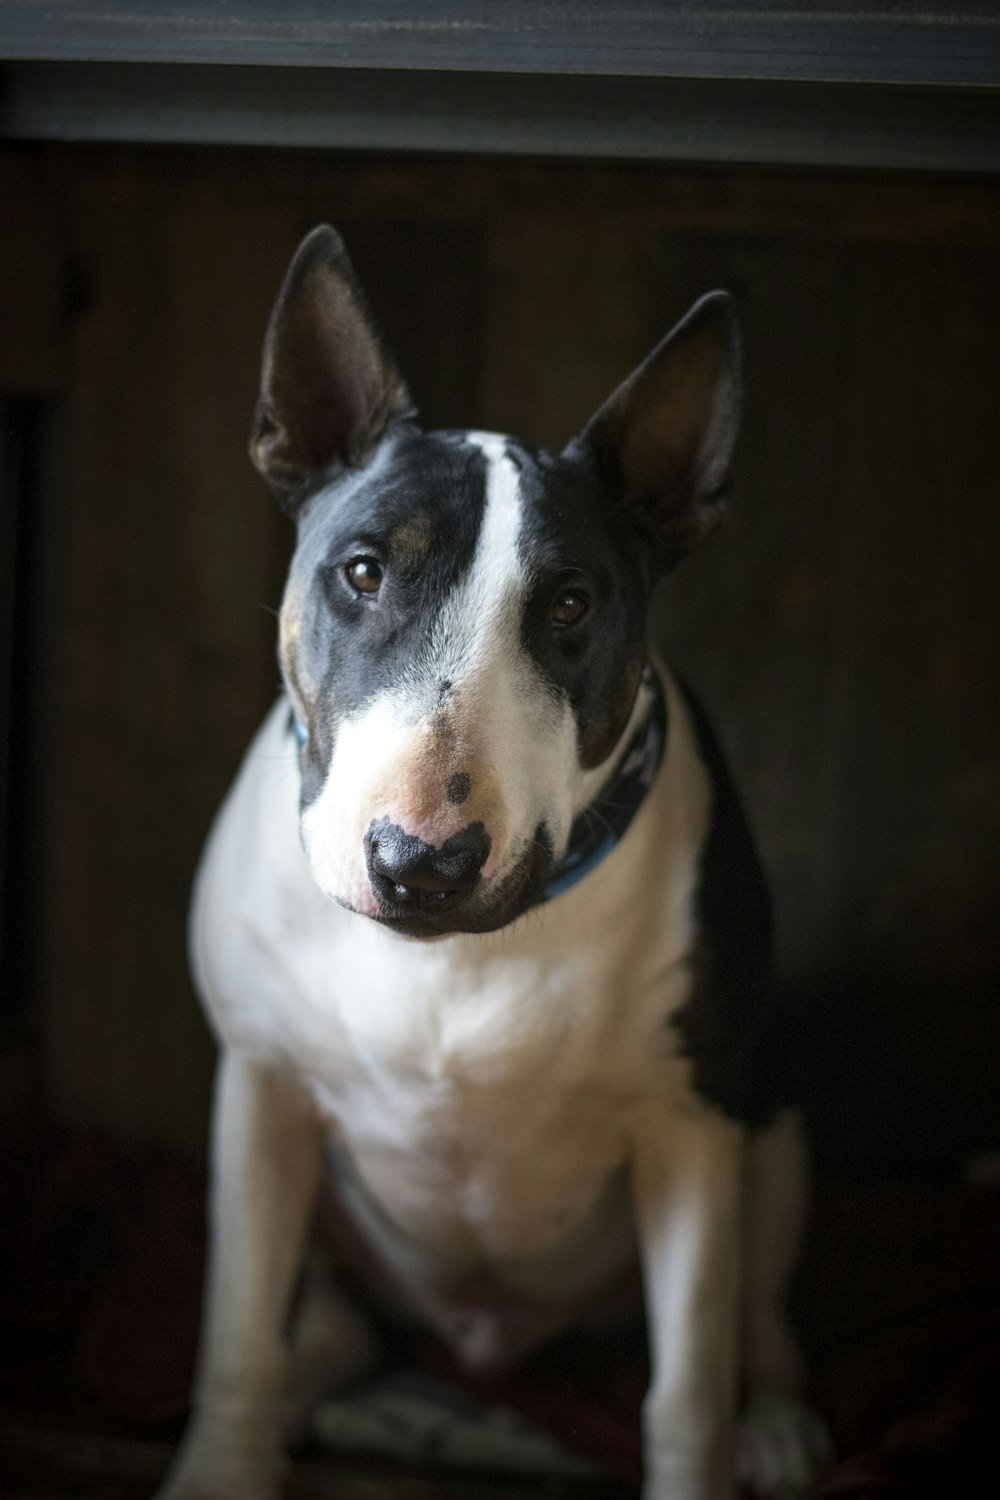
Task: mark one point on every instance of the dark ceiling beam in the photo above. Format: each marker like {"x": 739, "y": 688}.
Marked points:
{"x": 888, "y": 87}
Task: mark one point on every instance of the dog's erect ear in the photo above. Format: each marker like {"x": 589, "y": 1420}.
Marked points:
{"x": 328, "y": 390}
{"x": 665, "y": 438}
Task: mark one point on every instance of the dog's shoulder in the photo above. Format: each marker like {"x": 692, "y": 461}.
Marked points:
{"x": 255, "y": 906}
{"x": 724, "y": 1027}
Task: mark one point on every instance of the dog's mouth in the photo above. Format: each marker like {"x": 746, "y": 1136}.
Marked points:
{"x": 485, "y": 907}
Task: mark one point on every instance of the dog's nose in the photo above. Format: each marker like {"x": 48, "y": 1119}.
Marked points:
{"x": 406, "y": 871}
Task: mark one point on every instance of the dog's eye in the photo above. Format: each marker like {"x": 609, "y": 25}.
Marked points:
{"x": 364, "y": 574}
{"x": 568, "y": 608}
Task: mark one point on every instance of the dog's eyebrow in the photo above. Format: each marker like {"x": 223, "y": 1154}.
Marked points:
{"x": 410, "y": 540}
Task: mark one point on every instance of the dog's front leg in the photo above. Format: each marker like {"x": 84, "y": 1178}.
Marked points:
{"x": 265, "y": 1160}
{"x": 687, "y": 1171}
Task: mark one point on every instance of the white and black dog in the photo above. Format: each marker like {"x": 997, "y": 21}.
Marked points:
{"x": 481, "y": 914}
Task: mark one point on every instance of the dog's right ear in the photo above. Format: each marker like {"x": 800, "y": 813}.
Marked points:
{"x": 328, "y": 390}
{"x": 665, "y": 437}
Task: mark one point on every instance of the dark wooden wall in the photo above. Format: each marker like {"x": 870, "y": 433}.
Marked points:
{"x": 843, "y": 628}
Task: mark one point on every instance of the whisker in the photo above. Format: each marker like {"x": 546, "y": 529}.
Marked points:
{"x": 607, "y": 802}
{"x": 590, "y": 812}
{"x": 268, "y": 609}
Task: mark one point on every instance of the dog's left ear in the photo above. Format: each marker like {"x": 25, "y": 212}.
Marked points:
{"x": 665, "y": 439}
{"x": 328, "y": 389}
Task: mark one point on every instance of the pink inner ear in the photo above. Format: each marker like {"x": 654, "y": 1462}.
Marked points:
{"x": 670, "y": 424}
{"x": 652, "y": 456}
{"x": 671, "y": 427}
{"x": 331, "y": 384}
{"x": 328, "y": 390}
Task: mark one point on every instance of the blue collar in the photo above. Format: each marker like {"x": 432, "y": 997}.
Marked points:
{"x": 602, "y": 823}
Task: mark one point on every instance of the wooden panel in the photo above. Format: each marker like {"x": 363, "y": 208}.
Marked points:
{"x": 559, "y": 324}
{"x": 426, "y": 285}
{"x": 905, "y": 1026}
{"x": 33, "y": 280}
{"x": 916, "y": 835}
{"x": 391, "y": 190}
{"x": 169, "y": 563}
{"x": 28, "y": 445}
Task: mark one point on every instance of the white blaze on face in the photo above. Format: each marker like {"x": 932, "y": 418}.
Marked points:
{"x": 496, "y": 724}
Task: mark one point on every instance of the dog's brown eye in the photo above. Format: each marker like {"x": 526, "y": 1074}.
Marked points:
{"x": 568, "y": 608}
{"x": 364, "y": 574}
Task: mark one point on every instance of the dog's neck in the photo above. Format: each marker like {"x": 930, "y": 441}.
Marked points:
{"x": 605, "y": 818}
{"x": 603, "y": 821}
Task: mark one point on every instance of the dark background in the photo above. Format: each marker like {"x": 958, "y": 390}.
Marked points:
{"x": 842, "y": 628}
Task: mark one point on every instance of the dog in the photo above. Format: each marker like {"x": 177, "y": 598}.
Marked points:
{"x": 480, "y": 927}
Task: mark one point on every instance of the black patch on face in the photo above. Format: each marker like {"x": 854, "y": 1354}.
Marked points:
{"x": 575, "y": 538}
{"x": 726, "y": 1026}
{"x": 353, "y": 646}
{"x": 458, "y": 788}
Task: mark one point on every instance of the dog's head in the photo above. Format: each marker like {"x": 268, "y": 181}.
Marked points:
{"x": 463, "y": 629}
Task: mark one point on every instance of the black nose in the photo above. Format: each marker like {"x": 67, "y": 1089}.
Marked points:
{"x": 406, "y": 871}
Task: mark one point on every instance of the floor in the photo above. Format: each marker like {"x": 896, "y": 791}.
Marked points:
{"x": 56, "y": 1445}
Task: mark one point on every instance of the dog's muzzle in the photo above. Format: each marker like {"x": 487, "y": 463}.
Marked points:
{"x": 411, "y": 877}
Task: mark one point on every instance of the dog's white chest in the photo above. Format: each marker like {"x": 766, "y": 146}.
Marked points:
{"x": 480, "y": 1083}
{"x": 445, "y": 1094}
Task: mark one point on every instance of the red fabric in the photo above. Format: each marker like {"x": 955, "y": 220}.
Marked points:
{"x": 584, "y": 1390}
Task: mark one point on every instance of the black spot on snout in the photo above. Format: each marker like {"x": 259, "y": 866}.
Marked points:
{"x": 444, "y": 691}
{"x": 458, "y": 787}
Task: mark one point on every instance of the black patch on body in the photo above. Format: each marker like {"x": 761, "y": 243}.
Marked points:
{"x": 725, "y": 1026}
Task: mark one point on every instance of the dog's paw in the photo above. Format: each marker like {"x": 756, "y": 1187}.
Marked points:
{"x": 180, "y": 1486}
{"x": 781, "y": 1447}
{"x": 214, "y": 1471}
{"x": 180, "y": 1490}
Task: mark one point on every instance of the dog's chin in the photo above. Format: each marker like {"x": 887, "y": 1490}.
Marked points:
{"x": 487, "y": 908}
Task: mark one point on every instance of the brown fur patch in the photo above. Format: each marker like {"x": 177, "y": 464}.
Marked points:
{"x": 410, "y": 541}
{"x": 442, "y": 751}
{"x": 602, "y": 737}
{"x": 289, "y": 630}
